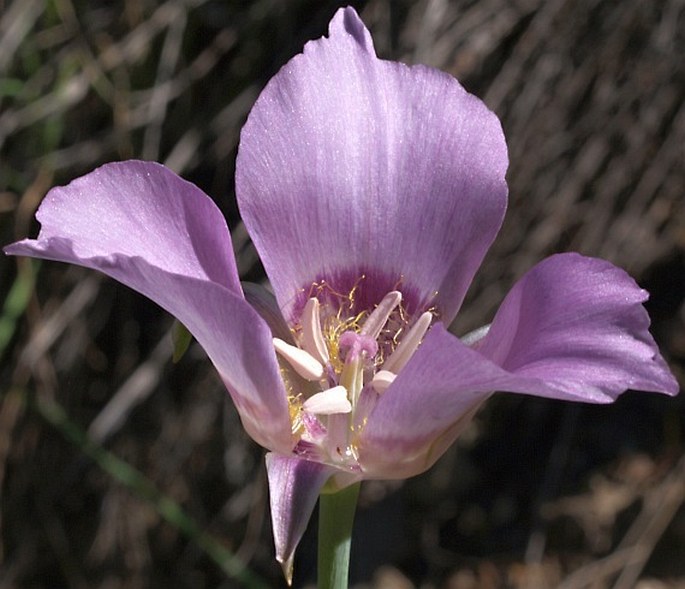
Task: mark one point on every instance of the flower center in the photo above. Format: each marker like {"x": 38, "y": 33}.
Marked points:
{"x": 342, "y": 363}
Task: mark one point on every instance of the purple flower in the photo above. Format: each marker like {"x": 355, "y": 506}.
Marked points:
{"x": 372, "y": 191}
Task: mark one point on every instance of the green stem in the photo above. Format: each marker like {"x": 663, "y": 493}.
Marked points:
{"x": 336, "y": 516}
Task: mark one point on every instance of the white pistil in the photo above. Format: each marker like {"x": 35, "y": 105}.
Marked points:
{"x": 405, "y": 350}
{"x": 302, "y": 361}
{"x": 380, "y": 315}
{"x": 382, "y": 380}
{"x": 312, "y": 336}
{"x": 328, "y": 402}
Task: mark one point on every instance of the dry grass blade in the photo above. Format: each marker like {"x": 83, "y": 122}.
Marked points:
{"x": 15, "y": 24}
{"x": 660, "y": 506}
{"x": 134, "y": 391}
{"x": 590, "y": 94}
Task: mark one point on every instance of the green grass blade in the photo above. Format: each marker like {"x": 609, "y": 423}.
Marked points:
{"x": 16, "y": 302}
{"x": 132, "y": 478}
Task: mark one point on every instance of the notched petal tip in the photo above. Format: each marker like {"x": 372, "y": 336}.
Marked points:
{"x": 342, "y": 145}
{"x": 347, "y": 22}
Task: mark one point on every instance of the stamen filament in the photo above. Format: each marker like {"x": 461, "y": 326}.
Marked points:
{"x": 302, "y": 361}
{"x": 405, "y": 350}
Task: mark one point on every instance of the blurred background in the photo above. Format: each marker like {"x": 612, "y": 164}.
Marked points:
{"x": 121, "y": 469}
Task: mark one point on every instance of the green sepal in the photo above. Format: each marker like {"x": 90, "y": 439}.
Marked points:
{"x": 181, "y": 338}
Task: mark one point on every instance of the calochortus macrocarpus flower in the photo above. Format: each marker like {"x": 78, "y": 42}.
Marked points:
{"x": 372, "y": 191}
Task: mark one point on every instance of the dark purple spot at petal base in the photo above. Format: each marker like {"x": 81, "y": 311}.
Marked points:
{"x": 360, "y": 291}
